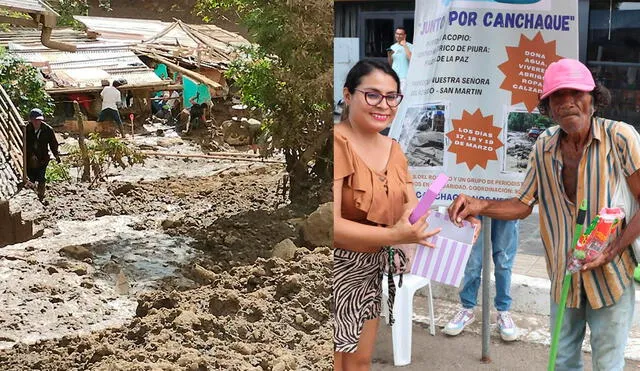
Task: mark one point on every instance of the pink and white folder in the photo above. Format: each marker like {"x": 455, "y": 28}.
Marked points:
{"x": 446, "y": 262}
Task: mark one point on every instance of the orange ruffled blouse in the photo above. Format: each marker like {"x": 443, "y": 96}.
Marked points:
{"x": 368, "y": 196}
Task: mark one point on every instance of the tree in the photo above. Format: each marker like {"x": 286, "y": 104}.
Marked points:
{"x": 24, "y": 85}
{"x": 66, "y": 9}
{"x": 523, "y": 121}
{"x": 288, "y": 77}
{"x": 102, "y": 153}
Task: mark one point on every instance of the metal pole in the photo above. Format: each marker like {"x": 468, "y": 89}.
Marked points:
{"x": 486, "y": 277}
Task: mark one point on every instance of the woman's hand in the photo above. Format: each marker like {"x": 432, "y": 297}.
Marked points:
{"x": 406, "y": 233}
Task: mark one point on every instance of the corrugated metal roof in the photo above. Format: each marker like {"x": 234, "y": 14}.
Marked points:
{"x": 165, "y": 34}
{"x": 107, "y": 49}
{"x": 91, "y": 77}
{"x": 27, "y": 6}
{"x": 88, "y": 66}
{"x": 31, "y": 36}
{"x": 122, "y": 28}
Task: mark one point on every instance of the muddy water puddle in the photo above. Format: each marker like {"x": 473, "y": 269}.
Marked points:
{"x": 93, "y": 285}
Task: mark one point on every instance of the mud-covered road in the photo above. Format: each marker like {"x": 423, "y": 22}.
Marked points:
{"x": 171, "y": 272}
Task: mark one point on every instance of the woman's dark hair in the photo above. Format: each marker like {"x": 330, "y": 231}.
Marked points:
{"x": 601, "y": 99}
{"x": 365, "y": 67}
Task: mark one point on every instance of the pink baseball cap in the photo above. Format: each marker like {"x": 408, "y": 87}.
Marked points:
{"x": 566, "y": 74}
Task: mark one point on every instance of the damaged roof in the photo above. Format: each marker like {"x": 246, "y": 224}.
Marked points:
{"x": 27, "y": 6}
{"x": 84, "y": 69}
{"x": 198, "y": 45}
{"x": 109, "y": 49}
{"x": 30, "y": 37}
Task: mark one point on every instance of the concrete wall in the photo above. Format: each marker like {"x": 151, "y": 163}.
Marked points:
{"x": 13, "y": 229}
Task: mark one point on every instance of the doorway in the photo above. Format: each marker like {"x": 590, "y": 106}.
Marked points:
{"x": 377, "y": 30}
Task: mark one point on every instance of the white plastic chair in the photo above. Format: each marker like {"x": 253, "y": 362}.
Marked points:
{"x": 403, "y": 313}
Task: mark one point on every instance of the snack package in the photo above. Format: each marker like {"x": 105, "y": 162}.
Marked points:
{"x": 595, "y": 238}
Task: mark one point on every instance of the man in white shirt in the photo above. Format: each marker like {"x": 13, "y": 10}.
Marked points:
{"x": 399, "y": 55}
{"x": 111, "y": 98}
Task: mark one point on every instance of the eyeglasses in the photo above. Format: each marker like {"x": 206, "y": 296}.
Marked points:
{"x": 373, "y": 98}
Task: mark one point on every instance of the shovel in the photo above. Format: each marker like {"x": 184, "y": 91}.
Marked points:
{"x": 131, "y": 118}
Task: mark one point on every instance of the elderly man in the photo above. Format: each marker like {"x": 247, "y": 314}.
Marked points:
{"x": 40, "y": 137}
{"x": 584, "y": 157}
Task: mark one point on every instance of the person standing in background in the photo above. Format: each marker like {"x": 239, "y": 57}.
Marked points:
{"x": 40, "y": 137}
{"x": 111, "y": 99}
{"x": 399, "y": 55}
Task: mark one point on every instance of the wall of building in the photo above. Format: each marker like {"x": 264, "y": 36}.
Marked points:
{"x": 610, "y": 49}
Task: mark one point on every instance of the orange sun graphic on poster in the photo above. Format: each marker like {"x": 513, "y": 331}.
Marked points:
{"x": 525, "y": 68}
{"x": 474, "y": 139}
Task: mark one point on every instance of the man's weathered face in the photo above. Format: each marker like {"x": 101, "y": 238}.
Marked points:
{"x": 400, "y": 35}
{"x": 571, "y": 109}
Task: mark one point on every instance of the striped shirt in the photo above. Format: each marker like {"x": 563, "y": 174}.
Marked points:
{"x": 598, "y": 175}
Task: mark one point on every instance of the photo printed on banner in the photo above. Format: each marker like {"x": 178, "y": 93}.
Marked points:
{"x": 425, "y": 143}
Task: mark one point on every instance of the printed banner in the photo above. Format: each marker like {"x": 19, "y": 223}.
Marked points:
{"x": 472, "y": 90}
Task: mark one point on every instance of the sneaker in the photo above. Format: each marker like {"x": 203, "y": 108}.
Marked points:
{"x": 508, "y": 329}
{"x": 463, "y": 318}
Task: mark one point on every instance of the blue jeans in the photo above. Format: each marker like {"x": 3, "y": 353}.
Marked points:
{"x": 504, "y": 243}
{"x": 609, "y": 333}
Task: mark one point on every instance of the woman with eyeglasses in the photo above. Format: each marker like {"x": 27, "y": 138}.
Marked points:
{"x": 373, "y": 198}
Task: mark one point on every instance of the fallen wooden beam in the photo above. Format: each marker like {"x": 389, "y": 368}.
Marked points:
{"x": 194, "y": 75}
{"x": 233, "y": 154}
{"x": 211, "y": 156}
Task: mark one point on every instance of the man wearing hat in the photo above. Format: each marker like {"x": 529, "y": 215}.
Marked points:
{"x": 583, "y": 157}
{"x": 40, "y": 138}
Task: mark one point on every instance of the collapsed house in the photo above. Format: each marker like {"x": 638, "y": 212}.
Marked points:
{"x": 148, "y": 56}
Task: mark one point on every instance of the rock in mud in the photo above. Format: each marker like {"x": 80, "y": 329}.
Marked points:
{"x": 187, "y": 319}
{"x": 156, "y": 300}
{"x": 103, "y": 212}
{"x": 289, "y": 286}
{"x": 236, "y": 133}
{"x": 285, "y": 363}
{"x": 285, "y": 250}
{"x": 169, "y": 142}
{"x": 80, "y": 270}
{"x": 123, "y": 189}
{"x": 203, "y": 275}
{"x": 122, "y": 284}
{"x": 76, "y": 252}
{"x": 102, "y": 351}
{"x": 171, "y": 222}
{"x": 317, "y": 230}
{"x": 225, "y": 304}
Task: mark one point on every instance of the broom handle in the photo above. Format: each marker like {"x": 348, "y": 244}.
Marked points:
{"x": 566, "y": 283}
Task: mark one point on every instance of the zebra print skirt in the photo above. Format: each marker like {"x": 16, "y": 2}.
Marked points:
{"x": 357, "y": 292}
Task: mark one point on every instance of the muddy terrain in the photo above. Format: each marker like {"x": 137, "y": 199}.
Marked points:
{"x": 172, "y": 270}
